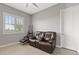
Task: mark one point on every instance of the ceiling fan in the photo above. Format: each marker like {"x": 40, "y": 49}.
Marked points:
{"x": 34, "y": 4}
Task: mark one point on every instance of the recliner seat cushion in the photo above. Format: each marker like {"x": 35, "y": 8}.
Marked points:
{"x": 44, "y": 43}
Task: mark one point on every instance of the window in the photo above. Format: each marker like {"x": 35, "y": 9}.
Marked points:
{"x": 12, "y": 23}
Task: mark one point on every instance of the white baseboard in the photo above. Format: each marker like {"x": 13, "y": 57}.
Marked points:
{"x": 71, "y": 49}
{"x": 5, "y": 45}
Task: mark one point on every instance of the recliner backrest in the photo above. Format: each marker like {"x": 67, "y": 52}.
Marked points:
{"x": 48, "y": 36}
{"x": 39, "y": 35}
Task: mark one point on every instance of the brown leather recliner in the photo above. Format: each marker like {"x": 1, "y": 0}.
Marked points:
{"x": 36, "y": 37}
{"x": 48, "y": 42}
{"x": 24, "y": 40}
{"x": 45, "y": 41}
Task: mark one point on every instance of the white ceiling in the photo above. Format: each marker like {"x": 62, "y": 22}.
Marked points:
{"x": 31, "y": 9}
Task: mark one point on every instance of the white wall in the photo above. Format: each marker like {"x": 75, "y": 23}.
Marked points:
{"x": 48, "y": 20}
{"x": 10, "y": 38}
{"x": 71, "y": 27}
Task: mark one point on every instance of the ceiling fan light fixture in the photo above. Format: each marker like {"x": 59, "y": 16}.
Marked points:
{"x": 34, "y": 4}
{"x": 26, "y": 5}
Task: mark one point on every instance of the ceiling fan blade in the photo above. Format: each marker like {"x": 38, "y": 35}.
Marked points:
{"x": 35, "y": 5}
{"x": 27, "y": 5}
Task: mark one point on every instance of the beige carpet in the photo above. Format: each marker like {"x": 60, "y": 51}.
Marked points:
{"x": 63, "y": 51}
{"x": 19, "y": 49}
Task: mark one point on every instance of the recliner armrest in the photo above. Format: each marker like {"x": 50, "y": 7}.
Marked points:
{"x": 50, "y": 42}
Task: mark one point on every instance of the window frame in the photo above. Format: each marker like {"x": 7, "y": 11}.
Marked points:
{"x": 15, "y": 16}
